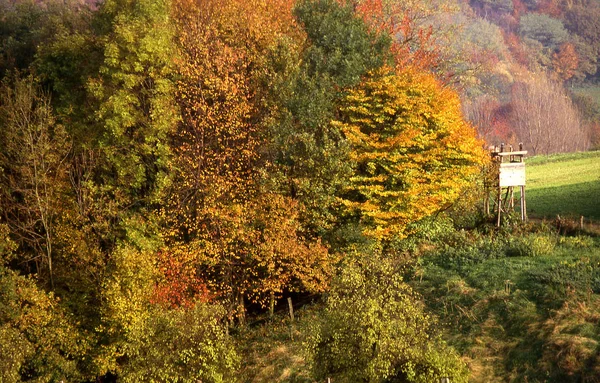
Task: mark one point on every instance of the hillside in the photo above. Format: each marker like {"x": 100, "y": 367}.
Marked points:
{"x": 538, "y": 67}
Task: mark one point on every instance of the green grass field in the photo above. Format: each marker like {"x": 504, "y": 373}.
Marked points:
{"x": 566, "y": 185}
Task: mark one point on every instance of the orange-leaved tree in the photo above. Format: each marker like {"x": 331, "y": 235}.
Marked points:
{"x": 227, "y": 228}
{"x": 415, "y": 41}
{"x": 414, "y": 154}
{"x": 565, "y": 62}
{"x": 218, "y": 142}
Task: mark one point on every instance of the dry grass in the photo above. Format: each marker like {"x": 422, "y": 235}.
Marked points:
{"x": 271, "y": 355}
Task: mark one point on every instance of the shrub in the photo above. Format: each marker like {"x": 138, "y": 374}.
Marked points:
{"x": 428, "y": 230}
{"x": 144, "y": 342}
{"x": 532, "y": 245}
{"x": 374, "y": 329}
{"x": 184, "y": 345}
{"x": 577, "y": 242}
{"x": 37, "y": 340}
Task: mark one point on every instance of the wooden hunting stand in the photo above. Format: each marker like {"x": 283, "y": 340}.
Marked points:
{"x": 511, "y": 174}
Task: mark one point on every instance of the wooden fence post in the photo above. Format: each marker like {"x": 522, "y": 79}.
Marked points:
{"x": 291, "y": 318}
{"x": 291, "y": 308}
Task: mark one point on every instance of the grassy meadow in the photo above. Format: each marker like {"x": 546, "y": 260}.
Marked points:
{"x": 567, "y": 185}
{"x": 522, "y": 305}
{"x": 519, "y": 304}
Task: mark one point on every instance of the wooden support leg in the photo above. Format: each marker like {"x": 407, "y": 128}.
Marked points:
{"x": 499, "y": 205}
{"x": 523, "y": 204}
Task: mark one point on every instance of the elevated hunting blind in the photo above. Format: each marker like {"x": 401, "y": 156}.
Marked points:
{"x": 511, "y": 174}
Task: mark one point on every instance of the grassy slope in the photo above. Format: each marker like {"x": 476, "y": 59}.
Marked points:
{"x": 523, "y": 303}
{"x": 519, "y": 307}
{"x": 566, "y": 185}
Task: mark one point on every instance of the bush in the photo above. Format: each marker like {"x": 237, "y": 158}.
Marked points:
{"x": 37, "y": 340}
{"x": 184, "y": 345}
{"x": 428, "y": 230}
{"x": 577, "y": 242}
{"x": 145, "y": 342}
{"x": 374, "y": 329}
{"x": 532, "y": 245}
{"x": 461, "y": 252}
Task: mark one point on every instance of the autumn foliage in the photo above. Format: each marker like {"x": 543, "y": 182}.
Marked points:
{"x": 413, "y": 152}
{"x": 241, "y": 238}
{"x": 413, "y": 44}
{"x": 203, "y": 157}
{"x": 565, "y": 61}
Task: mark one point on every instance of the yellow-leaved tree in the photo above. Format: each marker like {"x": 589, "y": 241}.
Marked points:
{"x": 413, "y": 152}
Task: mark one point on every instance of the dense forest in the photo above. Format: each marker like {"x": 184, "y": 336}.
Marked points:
{"x": 172, "y": 170}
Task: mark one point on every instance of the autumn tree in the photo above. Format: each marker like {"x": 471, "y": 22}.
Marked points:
{"x": 544, "y": 117}
{"x": 413, "y": 152}
{"x": 216, "y": 145}
{"x": 310, "y": 155}
{"x": 565, "y": 62}
{"x": 216, "y": 142}
{"x": 65, "y": 62}
{"x": 135, "y": 107}
{"x": 33, "y": 171}
{"x": 415, "y": 40}
{"x": 179, "y": 283}
{"x": 542, "y": 37}
{"x": 284, "y": 259}
{"x": 38, "y": 337}
{"x": 583, "y": 21}
{"x": 143, "y": 340}
{"x": 517, "y": 49}
{"x": 227, "y": 218}
{"x": 121, "y": 168}
{"x": 120, "y": 174}
{"x": 54, "y": 40}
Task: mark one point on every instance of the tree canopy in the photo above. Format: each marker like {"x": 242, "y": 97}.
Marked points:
{"x": 413, "y": 153}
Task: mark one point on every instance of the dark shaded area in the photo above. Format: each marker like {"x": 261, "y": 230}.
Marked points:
{"x": 576, "y": 200}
